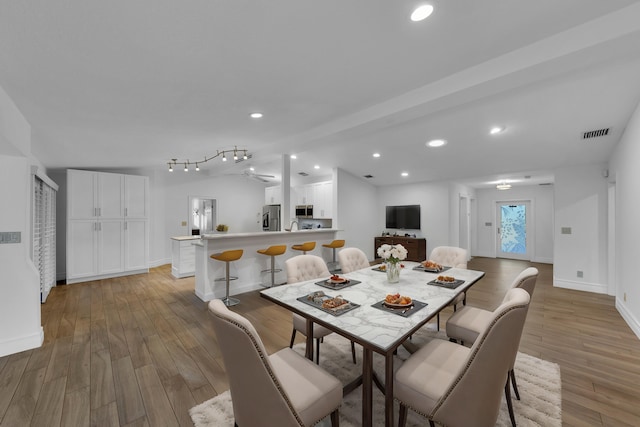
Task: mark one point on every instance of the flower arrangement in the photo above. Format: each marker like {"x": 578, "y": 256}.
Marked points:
{"x": 392, "y": 253}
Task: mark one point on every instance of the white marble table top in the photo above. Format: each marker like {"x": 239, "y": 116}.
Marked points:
{"x": 377, "y": 329}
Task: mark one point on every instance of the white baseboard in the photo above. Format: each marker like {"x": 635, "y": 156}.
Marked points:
{"x": 159, "y": 262}
{"x": 597, "y": 288}
{"x": 17, "y": 345}
{"x": 543, "y": 260}
{"x": 628, "y": 317}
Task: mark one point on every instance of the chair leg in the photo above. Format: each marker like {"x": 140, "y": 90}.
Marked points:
{"x": 432, "y": 424}
{"x": 335, "y": 419}
{"x": 293, "y": 337}
{"x": 507, "y": 396}
{"x": 438, "y": 321}
{"x": 318, "y": 351}
{"x": 353, "y": 352}
{"x": 402, "y": 418}
{"x": 512, "y": 374}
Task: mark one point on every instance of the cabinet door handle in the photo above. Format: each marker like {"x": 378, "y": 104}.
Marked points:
{"x": 126, "y": 213}
{"x": 125, "y": 225}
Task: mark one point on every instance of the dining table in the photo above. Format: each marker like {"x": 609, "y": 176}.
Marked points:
{"x": 368, "y": 321}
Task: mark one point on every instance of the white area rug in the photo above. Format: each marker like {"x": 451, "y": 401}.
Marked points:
{"x": 538, "y": 383}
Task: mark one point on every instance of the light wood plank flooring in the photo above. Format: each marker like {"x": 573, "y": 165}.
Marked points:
{"x": 140, "y": 351}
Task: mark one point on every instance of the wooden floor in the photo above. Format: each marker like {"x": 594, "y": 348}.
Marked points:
{"x": 140, "y": 351}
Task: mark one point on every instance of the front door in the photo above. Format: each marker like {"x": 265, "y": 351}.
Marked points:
{"x": 514, "y": 234}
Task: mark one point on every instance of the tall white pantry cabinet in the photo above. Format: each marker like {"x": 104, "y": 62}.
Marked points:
{"x": 107, "y": 225}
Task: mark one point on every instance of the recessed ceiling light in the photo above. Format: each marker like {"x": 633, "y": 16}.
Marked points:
{"x": 376, "y": 155}
{"x": 256, "y": 115}
{"x": 497, "y": 129}
{"x": 316, "y": 167}
{"x": 436, "y": 143}
{"x": 421, "y": 12}
{"x": 405, "y": 174}
{"x": 293, "y": 156}
{"x": 252, "y": 169}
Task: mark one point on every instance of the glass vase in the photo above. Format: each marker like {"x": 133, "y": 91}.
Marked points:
{"x": 393, "y": 272}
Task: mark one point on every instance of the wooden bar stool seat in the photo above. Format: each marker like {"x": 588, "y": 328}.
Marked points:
{"x": 334, "y": 245}
{"x": 273, "y": 252}
{"x": 227, "y": 257}
{"x": 304, "y": 247}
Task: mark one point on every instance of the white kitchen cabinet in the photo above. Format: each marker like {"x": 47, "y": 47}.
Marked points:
{"x": 135, "y": 196}
{"x": 183, "y": 256}
{"x": 136, "y": 235}
{"x": 94, "y": 194}
{"x": 272, "y": 195}
{"x": 107, "y": 227}
{"x": 323, "y": 200}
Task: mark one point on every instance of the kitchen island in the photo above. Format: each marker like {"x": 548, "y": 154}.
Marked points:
{"x": 249, "y": 268}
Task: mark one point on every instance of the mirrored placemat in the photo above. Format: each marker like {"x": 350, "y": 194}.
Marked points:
{"x": 448, "y": 285}
{"x": 337, "y": 286}
{"x": 401, "y": 311}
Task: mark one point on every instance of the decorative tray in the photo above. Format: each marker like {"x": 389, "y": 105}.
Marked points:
{"x": 448, "y": 285}
{"x": 330, "y": 284}
{"x": 320, "y": 301}
{"x": 404, "y": 310}
{"x": 431, "y": 270}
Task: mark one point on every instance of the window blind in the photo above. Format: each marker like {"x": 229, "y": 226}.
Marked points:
{"x": 44, "y": 233}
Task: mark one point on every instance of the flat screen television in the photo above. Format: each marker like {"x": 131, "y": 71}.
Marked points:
{"x": 405, "y": 217}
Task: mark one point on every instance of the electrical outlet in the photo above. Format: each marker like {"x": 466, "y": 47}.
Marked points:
{"x": 184, "y": 223}
{"x": 580, "y": 274}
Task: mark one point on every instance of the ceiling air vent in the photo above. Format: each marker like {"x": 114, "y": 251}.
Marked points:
{"x": 595, "y": 133}
{"x": 368, "y": 176}
{"x": 303, "y": 174}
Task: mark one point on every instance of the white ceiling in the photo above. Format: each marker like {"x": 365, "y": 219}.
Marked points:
{"x": 124, "y": 84}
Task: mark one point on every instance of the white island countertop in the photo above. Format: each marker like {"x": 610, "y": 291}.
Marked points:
{"x": 250, "y": 268}
{"x": 268, "y": 233}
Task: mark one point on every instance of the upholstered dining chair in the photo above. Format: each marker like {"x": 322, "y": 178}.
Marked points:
{"x": 306, "y": 267}
{"x": 352, "y": 259}
{"x": 450, "y": 256}
{"x": 454, "y": 385}
{"x": 466, "y": 324}
{"x": 284, "y": 388}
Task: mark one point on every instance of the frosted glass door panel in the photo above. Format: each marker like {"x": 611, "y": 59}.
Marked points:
{"x": 513, "y": 230}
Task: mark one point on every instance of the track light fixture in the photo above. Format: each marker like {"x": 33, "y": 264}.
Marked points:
{"x": 236, "y": 153}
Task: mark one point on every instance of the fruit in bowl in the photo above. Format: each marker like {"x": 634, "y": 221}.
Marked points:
{"x": 397, "y": 299}
{"x": 431, "y": 265}
{"x": 337, "y": 279}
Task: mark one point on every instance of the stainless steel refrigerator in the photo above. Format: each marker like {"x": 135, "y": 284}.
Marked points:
{"x": 271, "y": 218}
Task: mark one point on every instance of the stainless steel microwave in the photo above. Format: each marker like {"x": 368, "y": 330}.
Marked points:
{"x": 304, "y": 211}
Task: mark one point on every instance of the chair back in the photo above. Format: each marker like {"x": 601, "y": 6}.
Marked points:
{"x": 352, "y": 259}
{"x": 526, "y": 280}
{"x": 474, "y": 397}
{"x": 450, "y": 256}
{"x": 305, "y": 267}
{"x": 256, "y": 393}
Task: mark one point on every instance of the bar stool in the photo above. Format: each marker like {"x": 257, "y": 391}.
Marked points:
{"x": 305, "y": 247}
{"x": 273, "y": 252}
{"x": 334, "y": 245}
{"x": 227, "y": 257}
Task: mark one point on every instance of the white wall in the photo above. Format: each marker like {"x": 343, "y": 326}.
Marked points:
{"x": 356, "y": 205}
{"x": 435, "y": 213}
{"x": 541, "y": 197}
{"x": 581, "y": 204}
{"x": 623, "y": 169}
{"x": 20, "y": 325}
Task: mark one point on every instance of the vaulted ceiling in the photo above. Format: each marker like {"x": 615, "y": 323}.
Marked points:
{"x": 124, "y": 84}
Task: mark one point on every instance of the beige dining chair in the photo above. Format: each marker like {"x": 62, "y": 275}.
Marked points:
{"x": 299, "y": 269}
{"x": 283, "y": 388}
{"x": 458, "y": 386}
{"x": 450, "y": 256}
{"x": 352, "y": 259}
{"x": 466, "y": 324}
